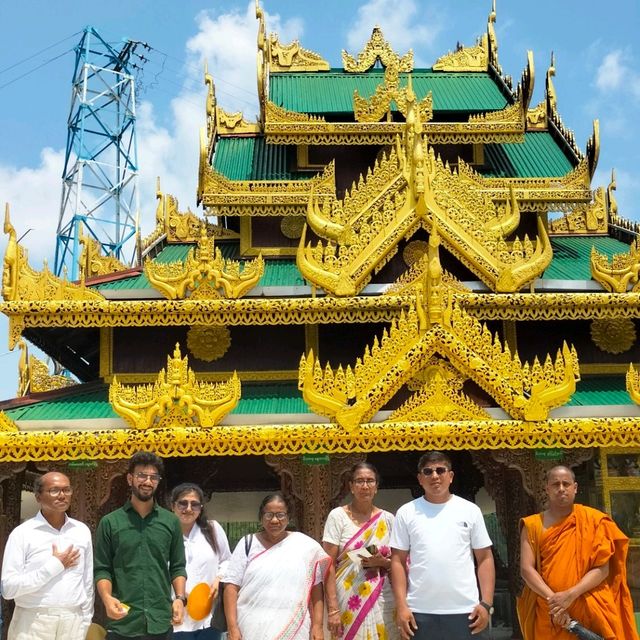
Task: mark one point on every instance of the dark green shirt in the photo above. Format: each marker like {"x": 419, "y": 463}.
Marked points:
{"x": 140, "y": 557}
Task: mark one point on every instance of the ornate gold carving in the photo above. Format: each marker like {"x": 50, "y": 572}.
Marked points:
{"x": 34, "y": 376}
{"x": 586, "y": 219}
{"x": 406, "y": 189}
{"x": 633, "y": 384}
{"x": 93, "y": 263}
{"x": 261, "y": 197}
{"x": 204, "y": 265}
{"x": 208, "y": 343}
{"x": 175, "y": 398}
{"x": 439, "y": 399}
{"x": 353, "y": 396}
{"x": 377, "y": 49}
{"x": 21, "y": 282}
{"x": 6, "y": 424}
{"x": 613, "y": 336}
{"x": 474, "y": 58}
{"x": 618, "y": 274}
{"x": 234, "y": 123}
{"x": 242, "y": 440}
{"x": 175, "y": 226}
{"x": 414, "y": 251}
{"x": 293, "y": 57}
{"x": 388, "y": 95}
{"x": 292, "y": 227}
{"x": 537, "y": 117}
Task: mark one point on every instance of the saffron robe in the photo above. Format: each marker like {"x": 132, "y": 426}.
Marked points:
{"x": 565, "y": 552}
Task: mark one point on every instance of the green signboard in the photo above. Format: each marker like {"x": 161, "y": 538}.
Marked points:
{"x": 548, "y": 454}
{"x": 82, "y": 464}
{"x": 315, "y": 458}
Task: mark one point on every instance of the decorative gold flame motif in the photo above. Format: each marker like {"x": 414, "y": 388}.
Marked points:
{"x": 175, "y": 399}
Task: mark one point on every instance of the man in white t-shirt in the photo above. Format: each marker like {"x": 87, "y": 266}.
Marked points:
{"x": 433, "y": 544}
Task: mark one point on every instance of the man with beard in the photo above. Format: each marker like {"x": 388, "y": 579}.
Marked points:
{"x": 47, "y": 568}
{"x": 139, "y": 556}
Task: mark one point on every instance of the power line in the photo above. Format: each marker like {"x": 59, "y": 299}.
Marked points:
{"x": 37, "y": 53}
{"x": 28, "y": 73}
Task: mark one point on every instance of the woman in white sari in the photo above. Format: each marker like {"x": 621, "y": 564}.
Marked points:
{"x": 273, "y": 584}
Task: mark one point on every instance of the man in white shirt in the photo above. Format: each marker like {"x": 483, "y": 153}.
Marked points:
{"x": 437, "y": 595}
{"x": 48, "y": 568}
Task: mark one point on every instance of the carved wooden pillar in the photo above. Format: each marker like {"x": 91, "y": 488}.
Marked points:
{"x": 315, "y": 488}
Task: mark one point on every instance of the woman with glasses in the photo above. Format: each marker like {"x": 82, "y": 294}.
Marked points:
{"x": 273, "y": 584}
{"x": 207, "y": 554}
{"x": 356, "y": 537}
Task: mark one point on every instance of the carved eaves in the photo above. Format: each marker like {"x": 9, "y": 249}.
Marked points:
{"x": 21, "y": 282}
{"x": 175, "y": 226}
{"x": 93, "y": 263}
{"x": 293, "y": 57}
{"x": 175, "y": 399}
{"x": 474, "y": 58}
{"x": 619, "y": 274}
{"x": 377, "y": 49}
{"x": 34, "y": 376}
{"x": 352, "y": 396}
{"x": 584, "y": 219}
{"x": 204, "y": 273}
{"x": 407, "y": 189}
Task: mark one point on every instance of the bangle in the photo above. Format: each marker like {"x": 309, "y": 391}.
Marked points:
{"x": 182, "y": 599}
{"x": 333, "y": 612}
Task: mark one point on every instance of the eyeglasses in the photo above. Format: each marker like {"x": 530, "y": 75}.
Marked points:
{"x": 183, "y": 505}
{"x": 428, "y": 471}
{"x": 362, "y": 481}
{"x": 56, "y": 491}
{"x": 153, "y": 477}
{"x": 270, "y": 515}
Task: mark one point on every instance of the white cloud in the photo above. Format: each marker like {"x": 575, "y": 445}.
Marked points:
{"x": 409, "y": 27}
{"x": 611, "y": 72}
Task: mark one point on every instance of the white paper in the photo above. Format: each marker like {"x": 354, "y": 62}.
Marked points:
{"x": 356, "y": 555}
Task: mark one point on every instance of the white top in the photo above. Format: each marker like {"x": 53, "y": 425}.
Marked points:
{"x": 34, "y": 577}
{"x": 203, "y": 565}
{"x": 440, "y": 539}
{"x": 240, "y": 559}
{"x": 340, "y": 528}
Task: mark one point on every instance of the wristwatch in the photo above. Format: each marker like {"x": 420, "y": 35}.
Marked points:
{"x": 182, "y": 598}
{"x": 488, "y": 607}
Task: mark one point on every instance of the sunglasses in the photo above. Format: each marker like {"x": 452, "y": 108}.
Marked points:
{"x": 428, "y": 471}
{"x": 183, "y": 505}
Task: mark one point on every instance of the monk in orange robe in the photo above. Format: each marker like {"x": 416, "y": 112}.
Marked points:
{"x": 573, "y": 562}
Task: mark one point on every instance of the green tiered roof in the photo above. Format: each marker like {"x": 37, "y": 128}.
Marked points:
{"x": 572, "y": 255}
{"x": 600, "y": 390}
{"x": 331, "y": 92}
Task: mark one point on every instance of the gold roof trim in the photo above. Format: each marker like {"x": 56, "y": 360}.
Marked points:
{"x": 619, "y": 273}
{"x": 471, "y": 59}
{"x": 633, "y": 384}
{"x": 377, "y": 48}
{"x": 407, "y": 189}
{"x": 387, "y": 94}
{"x": 21, "y": 282}
{"x": 176, "y": 398}
{"x": 180, "y": 227}
{"x": 204, "y": 273}
{"x": 34, "y": 376}
{"x": 353, "y": 396}
{"x": 584, "y": 219}
{"x": 280, "y": 439}
{"x": 293, "y": 57}
{"x": 234, "y": 123}
{"x": 93, "y": 263}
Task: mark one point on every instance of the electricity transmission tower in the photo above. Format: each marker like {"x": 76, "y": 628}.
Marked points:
{"x": 99, "y": 181}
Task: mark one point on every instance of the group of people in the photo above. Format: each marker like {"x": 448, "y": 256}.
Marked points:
{"x": 428, "y": 572}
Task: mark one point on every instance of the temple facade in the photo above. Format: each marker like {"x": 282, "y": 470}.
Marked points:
{"x": 390, "y": 260}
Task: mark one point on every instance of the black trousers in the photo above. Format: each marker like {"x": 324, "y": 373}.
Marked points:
{"x": 432, "y": 626}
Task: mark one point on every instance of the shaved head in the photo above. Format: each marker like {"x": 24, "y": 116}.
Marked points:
{"x": 559, "y": 467}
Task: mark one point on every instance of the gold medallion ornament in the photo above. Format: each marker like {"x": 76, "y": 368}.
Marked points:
{"x": 292, "y": 227}
{"x": 615, "y": 335}
{"x": 209, "y": 343}
{"x": 414, "y": 251}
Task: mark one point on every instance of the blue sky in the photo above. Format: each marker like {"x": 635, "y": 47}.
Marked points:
{"x": 597, "y": 76}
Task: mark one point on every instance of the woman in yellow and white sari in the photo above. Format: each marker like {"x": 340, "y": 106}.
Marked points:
{"x": 358, "y": 591}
